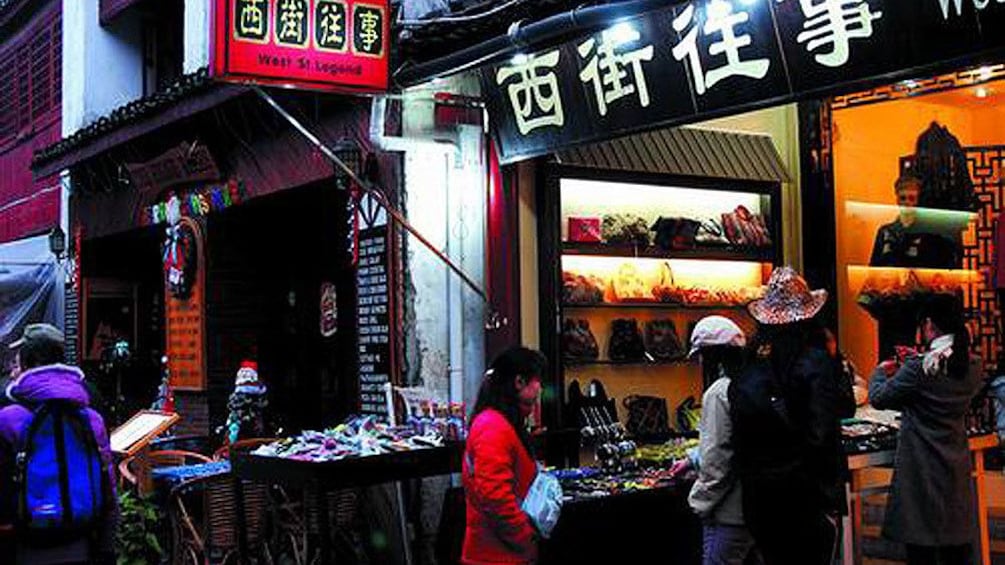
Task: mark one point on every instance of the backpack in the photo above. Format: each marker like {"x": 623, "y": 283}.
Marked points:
{"x": 59, "y": 475}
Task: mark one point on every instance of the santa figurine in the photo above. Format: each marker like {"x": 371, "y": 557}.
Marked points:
{"x": 247, "y": 405}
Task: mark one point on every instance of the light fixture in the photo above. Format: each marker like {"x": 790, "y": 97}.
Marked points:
{"x": 520, "y": 59}
{"x": 910, "y": 84}
{"x": 57, "y": 242}
{"x": 981, "y": 92}
{"x": 984, "y": 73}
{"x": 621, "y": 33}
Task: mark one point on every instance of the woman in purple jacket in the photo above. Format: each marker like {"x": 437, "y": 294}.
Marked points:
{"x": 42, "y": 378}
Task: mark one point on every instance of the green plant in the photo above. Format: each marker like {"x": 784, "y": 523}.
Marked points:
{"x": 139, "y": 524}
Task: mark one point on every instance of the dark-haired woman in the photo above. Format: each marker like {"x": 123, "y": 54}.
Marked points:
{"x": 498, "y": 466}
{"x": 931, "y": 507}
{"x": 786, "y": 428}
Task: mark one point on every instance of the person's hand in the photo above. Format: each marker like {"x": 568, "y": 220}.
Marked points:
{"x": 681, "y": 467}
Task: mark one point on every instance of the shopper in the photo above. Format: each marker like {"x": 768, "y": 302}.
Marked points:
{"x": 46, "y": 393}
{"x": 498, "y": 467}
{"x": 786, "y": 428}
{"x": 716, "y": 495}
{"x": 852, "y": 388}
{"x": 931, "y": 506}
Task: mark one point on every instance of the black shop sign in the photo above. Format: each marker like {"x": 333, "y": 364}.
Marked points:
{"x": 706, "y": 57}
{"x": 374, "y": 307}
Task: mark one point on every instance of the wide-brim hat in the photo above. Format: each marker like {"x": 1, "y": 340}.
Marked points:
{"x": 787, "y": 300}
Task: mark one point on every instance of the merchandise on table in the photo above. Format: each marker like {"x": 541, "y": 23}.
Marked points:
{"x": 358, "y": 437}
{"x": 865, "y": 436}
{"x": 665, "y": 454}
{"x": 589, "y": 482}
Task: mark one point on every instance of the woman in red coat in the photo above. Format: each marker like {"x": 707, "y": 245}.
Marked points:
{"x": 498, "y": 466}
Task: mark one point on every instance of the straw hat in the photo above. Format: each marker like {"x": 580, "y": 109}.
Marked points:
{"x": 788, "y": 299}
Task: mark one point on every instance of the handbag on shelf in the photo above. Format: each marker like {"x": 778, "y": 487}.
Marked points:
{"x": 745, "y": 228}
{"x": 688, "y": 415}
{"x": 647, "y": 416}
{"x": 585, "y": 230}
{"x": 666, "y": 289}
{"x": 710, "y": 232}
{"x": 578, "y": 342}
{"x": 662, "y": 341}
{"x": 675, "y": 233}
{"x": 625, "y": 229}
{"x": 626, "y": 341}
{"x": 581, "y": 289}
{"x": 627, "y": 286}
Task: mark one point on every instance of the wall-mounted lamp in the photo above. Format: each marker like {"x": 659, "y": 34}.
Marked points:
{"x": 57, "y": 242}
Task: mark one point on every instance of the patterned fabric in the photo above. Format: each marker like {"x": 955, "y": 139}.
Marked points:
{"x": 788, "y": 299}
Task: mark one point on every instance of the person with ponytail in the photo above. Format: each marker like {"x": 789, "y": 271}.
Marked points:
{"x": 931, "y": 506}
{"x": 499, "y": 466}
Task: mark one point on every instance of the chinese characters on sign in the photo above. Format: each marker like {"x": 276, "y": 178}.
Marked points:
{"x": 534, "y": 94}
{"x": 308, "y": 43}
{"x": 673, "y": 64}
{"x": 835, "y": 23}
{"x": 291, "y": 23}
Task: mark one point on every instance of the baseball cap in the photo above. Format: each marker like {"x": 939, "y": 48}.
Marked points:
{"x": 38, "y": 332}
{"x": 716, "y": 330}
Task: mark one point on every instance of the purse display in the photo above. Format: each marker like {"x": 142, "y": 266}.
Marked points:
{"x": 675, "y": 233}
{"x": 628, "y": 286}
{"x": 585, "y": 230}
{"x": 662, "y": 341}
{"x": 626, "y": 341}
{"x": 578, "y": 342}
{"x": 581, "y": 289}
{"x": 647, "y": 416}
{"x": 625, "y": 229}
{"x": 745, "y": 228}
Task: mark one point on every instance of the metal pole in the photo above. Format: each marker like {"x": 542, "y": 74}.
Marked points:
{"x": 372, "y": 191}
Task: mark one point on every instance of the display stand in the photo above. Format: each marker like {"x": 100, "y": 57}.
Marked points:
{"x": 133, "y": 438}
{"x": 852, "y": 542}
{"x": 323, "y": 476}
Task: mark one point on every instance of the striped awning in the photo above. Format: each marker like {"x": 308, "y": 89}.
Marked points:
{"x": 685, "y": 151}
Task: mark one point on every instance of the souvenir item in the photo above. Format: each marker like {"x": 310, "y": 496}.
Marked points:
{"x": 247, "y": 405}
{"x": 625, "y": 229}
{"x": 628, "y": 286}
{"x": 647, "y": 416}
{"x": 358, "y": 437}
{"x": 711, "y": 233}
{"x": 688, "y": 415}
{"x": 626, "y": 341}
{"x": 662, "y": 342}
{"x": 585, "y": 230}
{"x": 745, "y": 228}
{"x": 578, "y": 343}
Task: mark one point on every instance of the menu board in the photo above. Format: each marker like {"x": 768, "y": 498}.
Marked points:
{"x": 185, "y": 326}
{"x": 373, "y": 308}
{"x": 140, "y": 430}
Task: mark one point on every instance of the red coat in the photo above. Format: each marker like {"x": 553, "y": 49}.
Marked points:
{"x": 498, "y": 472}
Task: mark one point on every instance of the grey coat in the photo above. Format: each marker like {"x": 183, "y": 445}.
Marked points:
{"x": 716, "y": 495}
{"x": 930, "y": 498}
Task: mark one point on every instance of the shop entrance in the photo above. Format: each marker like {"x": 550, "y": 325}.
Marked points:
{"x": 268, "y": 261}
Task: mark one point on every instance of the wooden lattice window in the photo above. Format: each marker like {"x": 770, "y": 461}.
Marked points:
{"x": 30, "y": 77}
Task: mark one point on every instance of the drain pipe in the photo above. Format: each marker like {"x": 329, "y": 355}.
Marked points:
{"x": 586, "y": 19}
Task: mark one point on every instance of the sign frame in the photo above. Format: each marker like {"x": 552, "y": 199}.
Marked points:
{"x": 148, "y": 434}
{"x": 225, "y": 48}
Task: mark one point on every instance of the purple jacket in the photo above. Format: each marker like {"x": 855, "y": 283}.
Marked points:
{"x": 51, "y": 382}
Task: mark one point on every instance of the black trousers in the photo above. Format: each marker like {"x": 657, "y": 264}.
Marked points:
{"x": 939, "y": 555}
{"x": 788, "y": 531}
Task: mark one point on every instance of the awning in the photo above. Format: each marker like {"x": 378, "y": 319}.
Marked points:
{"x": 192, "y": 94}
{"x": 684, "y": 151}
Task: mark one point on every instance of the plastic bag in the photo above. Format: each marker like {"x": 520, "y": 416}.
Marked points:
{"x": 543, "y": 503}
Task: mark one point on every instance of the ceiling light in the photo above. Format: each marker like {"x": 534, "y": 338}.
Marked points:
{"x": 981, "y": 92}
{"x": 984, "y": 73}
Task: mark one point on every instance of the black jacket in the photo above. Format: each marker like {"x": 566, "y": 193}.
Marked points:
{"x": 787, "y": 430}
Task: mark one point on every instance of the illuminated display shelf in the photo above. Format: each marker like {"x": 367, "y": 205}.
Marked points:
{"x": 711, "y": 252}
{"x": 885, "y": 212}
{"x": 642, "y": 363}
{"x": 654, "y": 306}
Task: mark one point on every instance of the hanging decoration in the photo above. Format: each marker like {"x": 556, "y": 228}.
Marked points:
{"x": 329, "y": 309}
{"x": 179, "y": 252}
{"x": 198, "y": 202}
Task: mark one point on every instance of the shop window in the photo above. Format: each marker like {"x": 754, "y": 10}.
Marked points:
{"x": 30, "y": 77}
{"x": 918, "y": 196}
{"x": 163, "y": 44}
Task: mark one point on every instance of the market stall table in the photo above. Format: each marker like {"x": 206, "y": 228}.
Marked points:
{"x": 320, "y": 477}
{"x": 858, "y": 462}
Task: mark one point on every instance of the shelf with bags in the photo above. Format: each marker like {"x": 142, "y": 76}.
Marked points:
{"x": 654, "y": 306}
{"x": 569, "y": 364}
{"x": 716, "y": 252}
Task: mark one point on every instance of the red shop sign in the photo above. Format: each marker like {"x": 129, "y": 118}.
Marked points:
{"x": 312, "y": 44}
